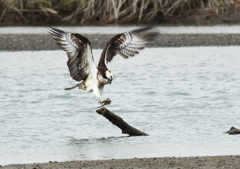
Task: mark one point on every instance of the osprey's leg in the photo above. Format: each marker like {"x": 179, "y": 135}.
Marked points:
{"x": 98, "y": 92}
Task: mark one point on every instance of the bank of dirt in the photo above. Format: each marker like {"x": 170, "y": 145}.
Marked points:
{"x": 34, "y": 42}
{"x": 215, "y": 162}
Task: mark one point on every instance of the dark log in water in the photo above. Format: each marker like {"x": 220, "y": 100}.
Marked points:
{"x": 233, "y": 130}
{"x": 119, "y": 122}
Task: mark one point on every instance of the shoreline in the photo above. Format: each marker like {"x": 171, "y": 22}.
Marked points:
{"x": 37, "y": 38}
{"x": 36, "y": 42}
{"x": 137, "y": 163}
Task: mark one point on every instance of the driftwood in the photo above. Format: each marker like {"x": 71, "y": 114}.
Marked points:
{"x": 119, "y": 122}
{"x": 233, "y": 130}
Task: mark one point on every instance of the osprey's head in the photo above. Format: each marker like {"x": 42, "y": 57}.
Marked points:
{"x": 109, "y": 76}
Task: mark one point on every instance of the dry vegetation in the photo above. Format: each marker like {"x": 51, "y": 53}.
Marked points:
{"x": 108, "y": 11}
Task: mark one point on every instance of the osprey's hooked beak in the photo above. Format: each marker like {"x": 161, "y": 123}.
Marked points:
{"x": 110, "y": 79}
{"x": 109, "y": 76}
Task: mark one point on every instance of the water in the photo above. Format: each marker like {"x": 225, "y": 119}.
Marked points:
{"x": 225, "y": 29}
{"x": 184, "y": 98}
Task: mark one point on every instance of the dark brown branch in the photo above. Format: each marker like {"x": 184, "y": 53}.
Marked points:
{"x": 119, "y": 122}
{"x": 233, "y": 130}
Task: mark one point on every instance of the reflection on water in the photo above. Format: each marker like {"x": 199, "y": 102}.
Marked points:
{"x": 184, "y": 98}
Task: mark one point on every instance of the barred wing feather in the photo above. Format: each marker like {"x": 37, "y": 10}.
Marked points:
{"x": 127, "y": 44}
{"x": 78, "y": 48}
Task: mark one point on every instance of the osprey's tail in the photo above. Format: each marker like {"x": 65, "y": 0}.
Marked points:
{"x": 79, "y": 85}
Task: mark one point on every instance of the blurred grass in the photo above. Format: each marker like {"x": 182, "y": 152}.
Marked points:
{"x": 108, "y": 11}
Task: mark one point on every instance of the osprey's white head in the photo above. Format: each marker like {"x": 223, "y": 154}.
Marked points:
{"x": 109, "y": 76}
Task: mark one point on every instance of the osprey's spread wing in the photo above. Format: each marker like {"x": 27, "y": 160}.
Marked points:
{"x": 127, "y": 44}
{"x": 80, "y": 60}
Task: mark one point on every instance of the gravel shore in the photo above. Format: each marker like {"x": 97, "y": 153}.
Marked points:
{"x": 214, "y": 162}
{"x": 23, "y": 42}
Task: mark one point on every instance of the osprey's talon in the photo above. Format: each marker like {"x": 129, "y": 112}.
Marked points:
{"x": 105, "y": 102}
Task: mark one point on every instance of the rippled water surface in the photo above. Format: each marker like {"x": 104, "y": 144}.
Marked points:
{"x": 184, "y": 98}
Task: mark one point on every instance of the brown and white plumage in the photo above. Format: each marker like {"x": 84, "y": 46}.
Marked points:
{"x": 81, "y": 64}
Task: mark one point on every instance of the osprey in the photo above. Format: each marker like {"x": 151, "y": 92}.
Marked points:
{"x": 81, "y": 64}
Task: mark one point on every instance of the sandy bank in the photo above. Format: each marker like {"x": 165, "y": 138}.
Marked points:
{"x": 145, "y": 163}
{"x": 19, "y": 42}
